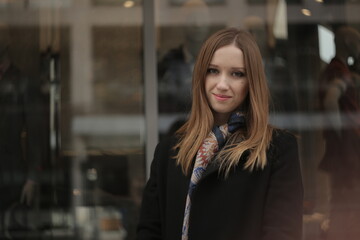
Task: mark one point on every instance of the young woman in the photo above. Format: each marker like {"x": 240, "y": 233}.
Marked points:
{"x": 226, "y": 174}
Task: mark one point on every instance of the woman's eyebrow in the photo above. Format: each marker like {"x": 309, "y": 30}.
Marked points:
{"x": 214, "y": 65}
{"x": 239, "y": 68}
{"x": 232, "y": 68}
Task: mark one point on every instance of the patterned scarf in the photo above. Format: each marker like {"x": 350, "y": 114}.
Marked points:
{"x": 214, "y": 142}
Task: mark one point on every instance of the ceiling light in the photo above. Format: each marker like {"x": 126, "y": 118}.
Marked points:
{"x": 129, "y": 4}
{"x": 306, "y": 12}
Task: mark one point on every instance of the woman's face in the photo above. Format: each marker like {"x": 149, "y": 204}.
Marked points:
{"x": 226, "y": 84}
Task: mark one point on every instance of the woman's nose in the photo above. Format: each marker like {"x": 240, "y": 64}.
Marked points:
{"x": 222, "y": 83}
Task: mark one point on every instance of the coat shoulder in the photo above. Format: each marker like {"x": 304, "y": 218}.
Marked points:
{"x": 282, "y": 137}
{"x": 167, "y": 144}
{"x": 165, "y": 149}
{"x": 282, "y": 142}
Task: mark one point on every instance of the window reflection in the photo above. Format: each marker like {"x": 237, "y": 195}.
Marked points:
{"x": 74, "y": 121}
{"x": 107, "y": 146}
{"x": 339, "y": 99}
{"x": 293, "y": 47}
{"x": 89, "y": 185}
{"x": 180, "y": 46}
{"x": 124, "y": 3}
{"x": 22, "y": 139}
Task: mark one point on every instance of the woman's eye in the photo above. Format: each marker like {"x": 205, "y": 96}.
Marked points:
{"x": 212, "y": 71}
{"x": 238, "y": 74}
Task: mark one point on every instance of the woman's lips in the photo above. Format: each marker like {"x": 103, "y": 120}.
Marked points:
{"x": 221, "y": 97}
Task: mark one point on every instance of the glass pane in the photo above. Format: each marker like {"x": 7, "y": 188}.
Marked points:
{"x": 179, "y": 39}
{"x": 72, "y": 121}
{"x": 314, "y": 98}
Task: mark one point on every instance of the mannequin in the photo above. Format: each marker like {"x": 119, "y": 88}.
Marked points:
{"x": 339, "y": 95}
{"x": 20, "y": 134}
{"x": 175, "y": 68}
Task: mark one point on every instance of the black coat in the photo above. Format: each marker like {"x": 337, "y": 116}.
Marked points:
{"x": 263, "y": 204}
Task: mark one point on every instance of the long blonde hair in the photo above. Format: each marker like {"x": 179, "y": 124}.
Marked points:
{"x": 258, "y": 133}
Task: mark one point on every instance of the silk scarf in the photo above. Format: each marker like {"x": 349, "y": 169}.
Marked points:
{"x": 213, "y": 143}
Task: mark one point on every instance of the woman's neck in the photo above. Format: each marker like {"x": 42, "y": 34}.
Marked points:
{"x": 221, "y": 119}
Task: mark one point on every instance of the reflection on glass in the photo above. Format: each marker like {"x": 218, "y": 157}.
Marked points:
{"x": 208, "y": 2}
{"x": 296, "y": 55}
{"x": 124, "y": 3}
{"x": 176, "y": 62}
{"x": 22, "y": 134}
{"x": 326, "y": 44}
{"x": 340, "y": 100}
{"x": 106, "y": 151}
{"x": 71, "y": 122}
{"x": 91, "y": 187}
